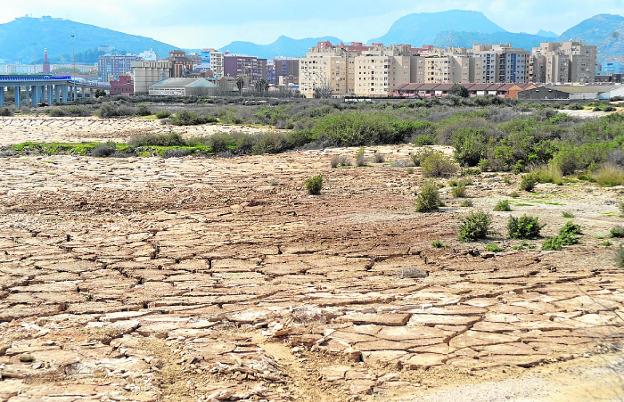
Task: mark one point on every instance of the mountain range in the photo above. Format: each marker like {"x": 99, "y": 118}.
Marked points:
{"x": 603, "y": 30}
{"x": 24, "y": 39}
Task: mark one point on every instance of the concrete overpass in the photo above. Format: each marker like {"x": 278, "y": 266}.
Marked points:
{"x": 49, "y": 89}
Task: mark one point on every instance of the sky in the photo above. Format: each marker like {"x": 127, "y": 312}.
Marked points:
{"x": 212, "y": 23}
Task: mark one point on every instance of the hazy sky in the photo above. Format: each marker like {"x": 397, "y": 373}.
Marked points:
{"x": 212, "y": 23}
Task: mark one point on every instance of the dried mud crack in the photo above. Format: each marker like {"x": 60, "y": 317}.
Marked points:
{"x": 220, "y": 279}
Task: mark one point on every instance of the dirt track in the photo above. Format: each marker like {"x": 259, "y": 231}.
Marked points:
{"x": 192, "y": 279}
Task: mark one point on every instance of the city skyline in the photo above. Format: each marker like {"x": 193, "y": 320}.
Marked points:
{"x": 196, "y": 24}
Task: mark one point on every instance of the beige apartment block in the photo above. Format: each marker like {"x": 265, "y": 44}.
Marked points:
{"x": 445, "y": 69}
{"x": 324, "y": 69}
{"x": 381, "y": 71}
{"x": 564, "y": 62}
{"x": 147, "y": 73}
{"x": 216, "y": 63}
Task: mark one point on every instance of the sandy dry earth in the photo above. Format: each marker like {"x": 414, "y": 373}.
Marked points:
{"x": 75, "y": 129}
{"x": 220, "y": 279}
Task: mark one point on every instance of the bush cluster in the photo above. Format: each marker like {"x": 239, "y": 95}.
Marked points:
{"x": 568, "y": 235}
{"x": 475, "y": 226}
{"x": 428, "y": 199}
{"x": 436, "y": 164}
{"x": 314, "y": 185}
{"x": 525, "y": 227}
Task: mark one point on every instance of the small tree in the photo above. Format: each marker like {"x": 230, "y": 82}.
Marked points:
{"x": 459, "y": 90}
{"x": 262, "y": 86}
{"x": 240, "y": 84}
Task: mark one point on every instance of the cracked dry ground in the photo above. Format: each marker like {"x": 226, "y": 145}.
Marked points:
{"x": 220, "y": 279}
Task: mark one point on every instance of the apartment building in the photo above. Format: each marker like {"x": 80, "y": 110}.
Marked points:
{"x": 286, "y": 71}
{"x": 147, "y": 73}
{"x": 212, "y": 59}
{"x": 483, "y": 65}
{"x": 556, "y": 62}
{"x": 324, "y": 69}
{"x": 447, "y": 68}
{"x": 380, "y": 71}
{"x": 110, "y": 67}
{"x": 181, "y": 64}
{"x": 249, "y": 67}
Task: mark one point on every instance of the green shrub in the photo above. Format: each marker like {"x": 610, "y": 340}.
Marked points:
{"x": 186, "y": 118}
{"x": 143, "y": 111}
{"x": 437, "y": 244}
{"x": 553, "y": 244}
{"x": 528, "y": 182}
{"x": 360, "y": 160}
{"x": 428, "y": 199}
{"x": 314, "y": 185}
{"x": 466, "y": 204}
{"x": 503, "y": 206}
{"x": 567, "y": 214}
{"x": 424, "y": 139}
{"x": 609, "y": 176}
{"x": 163, "y": 114}
{"x": 470, "y": 145}
{"x": 493, "y": 248}
{"x": 568, "y": 235}
{"x": 177, "y": 153}
{"x": 418, "y": 156}
{"x": 104, "y": 150}
{"x": 6, "y": 112}
{"x": 159, "y": 140}
{"x": 357, "y": 128}
{"x": 108, "y": 110}
{"x": 436, "y": 164}
{"x": 459, "y": 191}
{"x": 475, "y": 226}
{"x": 525, "y": 227}
{"x": 617, "y": 231}
{"x": 550, "y": 173}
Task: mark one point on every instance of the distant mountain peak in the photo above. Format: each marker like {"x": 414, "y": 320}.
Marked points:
{"x": 284, "y": 46}
{"x": 422, "y": 28}
{"x": 547, "y": 34}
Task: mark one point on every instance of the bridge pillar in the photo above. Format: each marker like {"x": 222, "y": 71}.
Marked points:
{"x": 49, "y": 89}
{"x": 64, "y": 93}
{"x": 34, "y": 95}
{"x": 1, "y": 96}
{"x": 18, "y": 100}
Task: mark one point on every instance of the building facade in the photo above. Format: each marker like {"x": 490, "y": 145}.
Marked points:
{"x": 251, "y": 68}
{"x": 124, "y": 86}
{"x": 147, "y": 73}
{"x": 110, "y": 67}
{"x": 181, "y": 64}
{"x": 563, "y": 62}
{"x": 286, "y": 70}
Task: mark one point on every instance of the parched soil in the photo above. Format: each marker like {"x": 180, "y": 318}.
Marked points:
{"x": 220, "y": 279}
{"x": 76, "y": 129}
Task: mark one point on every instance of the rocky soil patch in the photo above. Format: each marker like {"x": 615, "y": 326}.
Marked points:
{"x": 221, "y": 279}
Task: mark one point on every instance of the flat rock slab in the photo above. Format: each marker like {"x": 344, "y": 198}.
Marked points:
{"x": 379, "y": 319}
